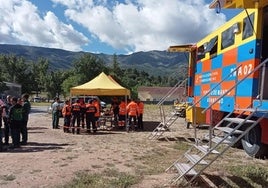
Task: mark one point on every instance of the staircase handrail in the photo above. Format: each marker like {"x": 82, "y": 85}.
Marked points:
{"x": 230, "y": 89}
{"x": 170, "y": 92}
{"x": 225, "y": 78}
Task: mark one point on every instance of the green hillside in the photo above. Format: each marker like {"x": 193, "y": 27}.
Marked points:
{"x": 153, "y": 62}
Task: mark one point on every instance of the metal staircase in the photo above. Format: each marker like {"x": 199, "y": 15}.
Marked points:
{"x": 166, "y": 120}
{"x": 209, "y": 147}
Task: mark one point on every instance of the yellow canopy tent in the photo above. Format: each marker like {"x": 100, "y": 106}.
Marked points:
{"x": 102, "y": 85}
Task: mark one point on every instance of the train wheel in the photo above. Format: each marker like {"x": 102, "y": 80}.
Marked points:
{"x": 232, "y": 138}
{"x": 252, "y": 145}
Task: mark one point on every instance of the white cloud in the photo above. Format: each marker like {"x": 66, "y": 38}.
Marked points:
{"x": 21, "y": 23}
{"x": 129, "y": 25}
{"x": 144, "y": 25}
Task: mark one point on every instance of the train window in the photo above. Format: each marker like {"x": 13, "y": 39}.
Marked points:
{"x": 201, "y": 52}
{"x": 248, "y": 26}
{"x": 212, "y": 46}
{"x": 227, "y": 37}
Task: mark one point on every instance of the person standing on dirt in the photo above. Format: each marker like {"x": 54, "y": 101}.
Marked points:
{"x": 122, "y": 113}
{"x": 83, "y": 112}
{"x": 55, "y": 113}
{"x": 90, "y": 116}
{"x": 132, "y": 109}
{"x": 6, "y": 109}
{"x": 16, "y": 121}
{"x": 76, "y": 112}
{"x": 115, "y": 109}
{"x": 140, "y": 114}
{"x": 26, "y": 111}
{"x": 66, "y": 112}
{"x": 97, "y": 114}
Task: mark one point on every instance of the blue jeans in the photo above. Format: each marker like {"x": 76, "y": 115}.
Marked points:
{"x": 55, "y": 119}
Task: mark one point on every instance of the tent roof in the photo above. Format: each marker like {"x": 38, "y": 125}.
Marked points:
{"x": 102, "y": 85}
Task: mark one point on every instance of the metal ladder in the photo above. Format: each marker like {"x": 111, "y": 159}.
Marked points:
{"x": 166, "y": 121}
{"x": 208, "y": 149}
{"x": 213, "y": 145}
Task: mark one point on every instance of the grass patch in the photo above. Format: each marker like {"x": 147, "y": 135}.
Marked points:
{"x": 182, "y": 146}
{"x": 109, "y": 179}
{"x": 156, "y": 161}
{"x": 255, "y": 174}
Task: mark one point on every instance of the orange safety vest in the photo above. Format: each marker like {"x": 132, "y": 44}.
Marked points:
{"x": 140, "y": 107}
{"x": 76, "y": 107}
{"x": 66, "y": 111}
{"x": 97, "y": 105}
{"x": 132, "y": 109}
{"x": 122, "y": 108}
{"x": 90, "y": 108}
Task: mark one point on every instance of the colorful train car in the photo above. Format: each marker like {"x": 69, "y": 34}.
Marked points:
{"x": 228, "y": 70}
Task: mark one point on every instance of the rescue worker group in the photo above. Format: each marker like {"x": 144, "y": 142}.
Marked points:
{"x": 15, "y": 114}
{"x": 79, "y": 115}
{"x": 89, "y": 115}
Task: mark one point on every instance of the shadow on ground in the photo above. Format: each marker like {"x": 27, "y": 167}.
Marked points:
{"x": 35, "y": 147}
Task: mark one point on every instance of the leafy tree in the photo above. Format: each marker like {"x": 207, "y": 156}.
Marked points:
{"x": 88, "y": 67}
{"x": 39, "y": 75}
{"x": 69, "y": 82}
{"x": 54, "y": 88}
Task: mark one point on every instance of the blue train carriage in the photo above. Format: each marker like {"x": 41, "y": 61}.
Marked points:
{"x": 228, "y": 71}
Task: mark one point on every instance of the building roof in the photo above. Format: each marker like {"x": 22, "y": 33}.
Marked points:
{"x": 156, "y": 93}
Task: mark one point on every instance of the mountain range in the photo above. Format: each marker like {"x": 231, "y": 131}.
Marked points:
{"x": 153, "y": 62}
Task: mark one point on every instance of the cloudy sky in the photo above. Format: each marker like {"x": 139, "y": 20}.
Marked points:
{"x": 107, "y": 26}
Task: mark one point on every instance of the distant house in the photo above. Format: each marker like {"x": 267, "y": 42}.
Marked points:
{"x": 157, "y": 93}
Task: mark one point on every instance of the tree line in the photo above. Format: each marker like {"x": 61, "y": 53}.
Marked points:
{"x": 38, "y": 77}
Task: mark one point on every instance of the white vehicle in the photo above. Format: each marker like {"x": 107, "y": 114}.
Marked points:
{"x": 37, "y": 99}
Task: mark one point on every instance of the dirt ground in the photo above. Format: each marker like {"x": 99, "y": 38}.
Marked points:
{"x": 53, "y": 158}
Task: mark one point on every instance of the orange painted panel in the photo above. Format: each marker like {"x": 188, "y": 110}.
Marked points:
{"x": 230, "y": 57}
{"x": 216, "y": 75}
{"x": 246, "y": 68}
{"x": 243, "y": 102}
{"x": 225, "y": 86}
{"x": 198, "y": 78}
{"x": 206, "y": 67}
{"x": 204, "y": 89}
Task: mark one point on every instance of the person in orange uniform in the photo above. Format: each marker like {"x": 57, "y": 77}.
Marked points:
{"x": 83, "y": 112}
{"x": 122, "y": 113}
{"x": 76, "y": 111}
{"x": 96, "y": 103}
{"x": 90, "y": 116}
{"x": 140, "y": 114}
{"x": 66, "y": 113}
{"x": 132, "y": 110}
